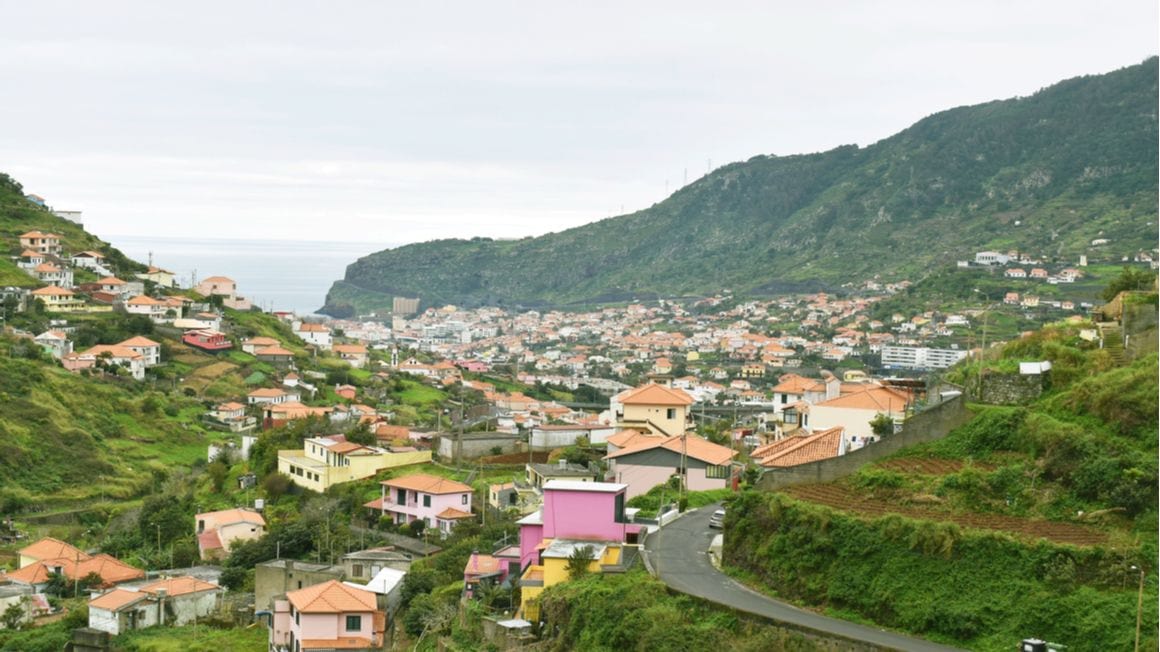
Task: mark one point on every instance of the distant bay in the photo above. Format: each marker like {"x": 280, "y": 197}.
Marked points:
{"x": 274, "y": 274}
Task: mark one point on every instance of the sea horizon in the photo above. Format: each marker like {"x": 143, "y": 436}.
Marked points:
{"x": 292, "y": 275}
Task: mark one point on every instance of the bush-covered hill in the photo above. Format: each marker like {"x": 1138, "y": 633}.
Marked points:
{"x": 1047, "y": 173}
{"x": 1024, "y": 522}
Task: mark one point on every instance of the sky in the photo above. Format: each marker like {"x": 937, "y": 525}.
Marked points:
{"x": 404, "y": 122}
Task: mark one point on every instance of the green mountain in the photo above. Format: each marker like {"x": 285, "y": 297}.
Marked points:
{"x": 1047, "y": 173}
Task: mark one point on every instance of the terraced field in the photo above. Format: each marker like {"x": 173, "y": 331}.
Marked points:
{"x": 849, "y": 500}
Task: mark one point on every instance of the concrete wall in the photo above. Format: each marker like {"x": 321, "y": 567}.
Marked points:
{"x": 477, "y": 444}
{"x": 276, "y": 578}
{"x": 929, "y": 425}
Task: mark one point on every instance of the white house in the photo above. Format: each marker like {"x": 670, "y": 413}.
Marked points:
{"x": 175, "y": 601}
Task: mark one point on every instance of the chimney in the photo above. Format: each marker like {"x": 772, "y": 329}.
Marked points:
{"x": 563, "y": 463}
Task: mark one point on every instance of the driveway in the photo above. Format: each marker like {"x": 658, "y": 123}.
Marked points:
{"x": 678, "y": 555}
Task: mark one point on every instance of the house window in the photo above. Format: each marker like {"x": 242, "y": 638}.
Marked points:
{"x": 353, "y": 623}
{"x": 463, "y": 499}
{"x": 671, "y": 413}
{"x": 618, "y": 509}
{"x": 296, "y": 613}
{"x": 426, "y": 500}
{"x": 718, "y": 472}
{"x": 356, "y": 570}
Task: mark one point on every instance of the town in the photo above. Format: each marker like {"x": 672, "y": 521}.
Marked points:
{"x": 345, "y": 460}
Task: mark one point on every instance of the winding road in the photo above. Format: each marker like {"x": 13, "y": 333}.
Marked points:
{"x": 678, "y": 555}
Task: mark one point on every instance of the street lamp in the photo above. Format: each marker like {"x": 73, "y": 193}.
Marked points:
{"x": 1139, "y": 605}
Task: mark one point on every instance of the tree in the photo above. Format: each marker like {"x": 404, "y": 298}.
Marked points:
{"x": 579, "y": 561}
{"x": 1129, "y": 279}
{"x": 275, "y": 485}
{"x": 882, "y": 425}
{"x": 13, "y": 615}
{"x": 218, "y": 472}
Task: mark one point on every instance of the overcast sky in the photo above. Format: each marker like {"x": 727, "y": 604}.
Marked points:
{"x": 402, "y": 122}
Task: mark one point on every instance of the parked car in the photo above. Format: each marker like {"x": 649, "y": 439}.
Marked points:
{"x": 717, "y": 520}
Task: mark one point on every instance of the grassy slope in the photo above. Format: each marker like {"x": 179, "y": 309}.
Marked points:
{"x": 1088, "y": 447}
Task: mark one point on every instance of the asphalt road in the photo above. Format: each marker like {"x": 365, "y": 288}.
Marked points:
{"x": 678, "y": 554}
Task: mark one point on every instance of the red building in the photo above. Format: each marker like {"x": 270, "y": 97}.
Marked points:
{"x": 206, "y": 339}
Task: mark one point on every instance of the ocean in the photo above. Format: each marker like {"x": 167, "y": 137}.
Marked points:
{"x": 274, "y": 274}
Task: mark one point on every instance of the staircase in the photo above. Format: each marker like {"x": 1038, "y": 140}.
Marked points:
{"x": 1112, "y": 340}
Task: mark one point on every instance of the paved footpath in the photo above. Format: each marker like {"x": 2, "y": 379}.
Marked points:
{"x": 678, "y": 554}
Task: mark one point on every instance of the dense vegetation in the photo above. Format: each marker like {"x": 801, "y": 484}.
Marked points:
{"x": 636, "y": 612}
{"x": 1047, "y": 173}
{"x": 1026, "y": 521}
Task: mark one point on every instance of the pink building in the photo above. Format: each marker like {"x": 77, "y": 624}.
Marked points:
{"x": 651, "y": 461}
{"x": 327, "y": 616}
{"x": 439, "y": 502}
{"x": 575, "y": 515}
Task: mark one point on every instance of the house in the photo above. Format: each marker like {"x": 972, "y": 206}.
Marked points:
{"x": 801, "y": 449}
{"x": 107, "y": 356}
{"x": 275, "y": 578}
{"x": 991, "y": 258}
{"x": 659, "y": 409}
{"x": 221, "y": 286}
{"x": 652, "y": 461}
{"x": 439, "y": 502}
{"x": 327, "y": 616}
{"x": 271, "y": 396}
{"x": 44, "y": 243}
{"x": 254, "y": 344}
{"x": 55, "y": 343}
{"x": 313, "y": 333}
{"x": 53, "y": 275}
{"x": 217, "y": 531}
{"x": 493, "y": 569}
{"x": 93, "y": 260}
{"x": 575, "y": 515}
{"x": 537, "y": 475}
{"x": 175, "y": 601}
{"x": 57, "y": 299}
{"x": 854, "y": 412}
{"x": 224, "y": 287}
{"x": 206, "y": 340}
{"x": 1039, "y": 273}
{"x": 231, "y": 416}
{"x": 279, "y": 414}
{"x": 354, "y": 354}
{"x": 159, "y": 276}
{"x": 154, "y": 309}
{"x": 365, "y": 565}
{"x": 1015, "y": 272}
{"x": 46, "y": 557}
{"x": 149, "y": 350}
{"x": 387, "y": 585}
{"x": 275, "y": 355}
{"x": 1011, "y": 298}
{"x": 326, "y": 461}
{"x": 558, "y": 436}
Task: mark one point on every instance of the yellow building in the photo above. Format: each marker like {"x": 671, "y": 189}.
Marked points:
{"x": 656, "y": 408}
{"x": 553, "y": 569}
{"x": 327, "y": 461}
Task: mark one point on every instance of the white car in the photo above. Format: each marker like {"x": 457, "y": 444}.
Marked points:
{"x": 717, "y": 520}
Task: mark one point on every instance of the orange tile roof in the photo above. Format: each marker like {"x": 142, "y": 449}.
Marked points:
{"x": 50, "y": 548}
{"x": 143, "y": 300}
{"x": 429, "y": 484}
{"x": 881, "y": 399}
{"x": 804, "y": 449}
{"x": 227, "y": 516}
{"x": 262, "y": 341}
{"x": 179, "y": 586}
{"x": 273, "y": 350}
{"x": 452, "y": 514}
{"x": 139, "y": 341}
{"x": 114, "y": 350}
{"x": 695, "y": 447}
{"x": 628, "y": 438}
{"x": 310, "y": 327}
{"x": 331, "y": 597}
{"x": 349, "y": 348}
{"x": 115, "y": 599}
{"x": 267, "y": 392}
{"x": 52, "y": 291}
{"x": 482, "y": 565}
{"x": 653, "y": 394}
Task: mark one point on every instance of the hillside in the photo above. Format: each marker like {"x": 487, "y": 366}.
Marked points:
{"x": 1024, "y": 522}
{"x": 1046, "y": 173}
{"x": 18, "y": 215}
